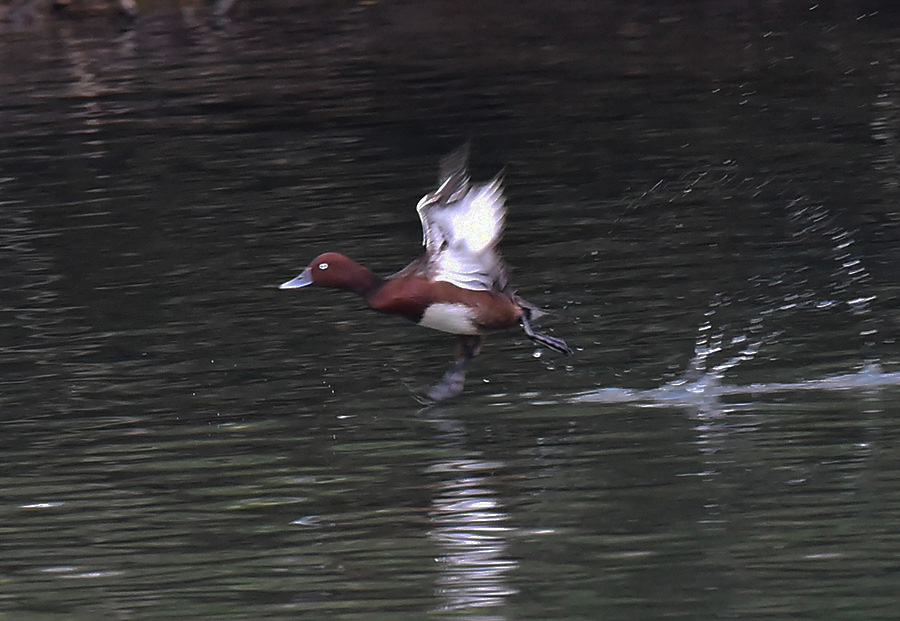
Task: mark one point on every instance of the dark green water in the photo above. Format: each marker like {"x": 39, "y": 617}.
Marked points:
{"x": 704, "y": 194}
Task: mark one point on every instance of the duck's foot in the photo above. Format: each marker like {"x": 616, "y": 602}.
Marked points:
{"x": 455, "y": 378}
{"x": 450, "y": 385}
{"x": 543, "y": 339}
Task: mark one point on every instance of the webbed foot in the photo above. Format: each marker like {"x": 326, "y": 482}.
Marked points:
{"x": 450, "y": 385}
{"x": 455, "y": 378}
{"x": 543, "y": 339}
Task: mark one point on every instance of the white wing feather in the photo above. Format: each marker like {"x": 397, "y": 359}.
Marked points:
{"x": 461, "y": 225}
{"x": 465, "y": 235}
{"x": 476, "y": 222}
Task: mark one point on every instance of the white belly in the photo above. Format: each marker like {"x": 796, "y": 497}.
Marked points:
{"x": 452, "y": 318}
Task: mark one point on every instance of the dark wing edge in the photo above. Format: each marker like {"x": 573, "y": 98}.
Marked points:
{"x": 453, "y": 178}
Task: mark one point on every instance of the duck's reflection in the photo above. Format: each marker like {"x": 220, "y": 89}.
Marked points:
{"x": 470, "y": 528}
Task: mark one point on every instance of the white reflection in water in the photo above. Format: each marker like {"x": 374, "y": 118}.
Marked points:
{"x": 469, "y": 529}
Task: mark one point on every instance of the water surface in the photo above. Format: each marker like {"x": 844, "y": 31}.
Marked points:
{"x": 712, "y": 221}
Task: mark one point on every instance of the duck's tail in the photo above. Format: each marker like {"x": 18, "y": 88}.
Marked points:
{"x": 533, "y": 311}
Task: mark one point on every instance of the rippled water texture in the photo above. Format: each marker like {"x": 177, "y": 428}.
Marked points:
{"x": 704, "y": 194}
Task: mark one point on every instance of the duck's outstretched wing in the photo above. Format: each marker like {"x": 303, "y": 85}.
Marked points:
{"x": 474, "y": 223}
{"x": 453, "y": 184}
{"x": 453, "y": 179}
{"x": 469, "y": 258}
{"x": 461, "y": 225}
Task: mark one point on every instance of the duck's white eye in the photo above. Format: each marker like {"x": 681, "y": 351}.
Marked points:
{"x": 323, "y": 266}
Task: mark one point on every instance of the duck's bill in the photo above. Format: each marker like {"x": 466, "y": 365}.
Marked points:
{"x": 304, "y": 279}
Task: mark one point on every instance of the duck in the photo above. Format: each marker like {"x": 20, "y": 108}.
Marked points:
{"x": 458, "y": 284}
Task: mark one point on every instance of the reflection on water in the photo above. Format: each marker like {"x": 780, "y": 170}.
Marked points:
{"x": 470, "y": 529}
{"x": 711, "y": 220}
{"x": 470, "y": 532}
